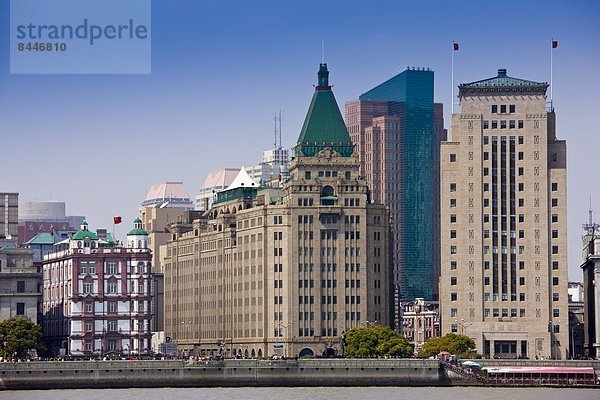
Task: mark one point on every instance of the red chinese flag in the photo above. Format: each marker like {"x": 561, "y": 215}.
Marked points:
{"x": 455, "y": 46}
{"x": 554, "y": 44}
{"x": 117, "y": 220}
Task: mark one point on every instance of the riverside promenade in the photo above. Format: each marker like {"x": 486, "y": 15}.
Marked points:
{"x": 239, "y": 373}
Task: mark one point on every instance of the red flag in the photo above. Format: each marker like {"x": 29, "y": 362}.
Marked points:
{"x": 167, "y": 230}
{"x": 455, "y": 46}
{"x": 117, "y": 220}
{"x": 554, "y": 44}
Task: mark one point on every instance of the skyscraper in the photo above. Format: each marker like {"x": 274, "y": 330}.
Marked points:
{"x": 397, "y": 129}
{"x": 504, "y": 221}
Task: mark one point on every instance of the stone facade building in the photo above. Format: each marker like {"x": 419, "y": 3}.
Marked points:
{"x": 98, "y": 296}
{"x": 504, "y": 221}
{"x": 20, "y": 283}
{"x": 283, "y": 270}
{"x": 591, "y": 292}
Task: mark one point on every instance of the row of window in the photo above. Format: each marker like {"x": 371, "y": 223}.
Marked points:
{"x": 511, "y": 108}
{"x": 454, "y": 297}
{"x": 512, "y": 124}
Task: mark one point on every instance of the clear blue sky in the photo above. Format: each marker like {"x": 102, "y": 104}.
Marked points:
{"x": 220, "y": 70}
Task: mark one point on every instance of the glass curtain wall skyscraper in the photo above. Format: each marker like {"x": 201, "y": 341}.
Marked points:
{"x": 397, "y": 129}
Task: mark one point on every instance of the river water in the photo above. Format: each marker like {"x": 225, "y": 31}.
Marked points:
{"x": 319, "y": 393}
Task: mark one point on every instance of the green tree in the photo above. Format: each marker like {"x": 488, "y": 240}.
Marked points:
{"x": 17, "y": 336}
{"x": 376, "y": 341}
{"x": 459, "y": 345}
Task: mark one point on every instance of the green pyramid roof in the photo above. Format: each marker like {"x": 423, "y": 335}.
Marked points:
{"x": 41, "y": 238}
{"x": 324, "y": 125}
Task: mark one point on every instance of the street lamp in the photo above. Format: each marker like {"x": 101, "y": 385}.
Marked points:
{"x": 368, "y": 324}
{"x": 280, "y": 334}
{"x": 572, "y": 341}
{"x": 463, "y": 325}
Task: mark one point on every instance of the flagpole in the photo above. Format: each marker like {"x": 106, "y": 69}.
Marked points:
{"x": 452, "y": 92}
{"x": 551, "y": 72}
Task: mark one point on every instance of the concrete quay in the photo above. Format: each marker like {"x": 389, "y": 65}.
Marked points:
{"x": 228, "y": 373}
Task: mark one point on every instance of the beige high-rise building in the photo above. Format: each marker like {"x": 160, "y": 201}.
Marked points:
{"x": 284, "y": 270}
{"x": 504, "y": 221}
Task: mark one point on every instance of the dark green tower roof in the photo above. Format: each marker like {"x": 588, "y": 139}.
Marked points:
{"x": 324, "y": 126}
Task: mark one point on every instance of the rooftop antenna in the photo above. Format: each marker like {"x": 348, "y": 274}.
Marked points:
{"x": 275, "y": 119}
{"x": 590, "y": 227}
{"x": 322, "y": 52}
{"x": 280, "y": 129}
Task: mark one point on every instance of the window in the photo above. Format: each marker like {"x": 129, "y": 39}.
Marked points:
{"x": 554, "y": 234}
{"x": 555, "y": 281}
{"x": 453, "y": 280}
{"x": 522, "y": 280}
{"x": 521, "y": 202}
{"x": 111, "y": 325}
{"x": 511, "y": 108}
{"x": 485, "y": 124}
{"x": 556, "y": 313}
{"x": 453, "y": 312}
{"x": 454, "y": 328}
{"x": 521, "y": 171}
{"x": 554, "y": 249}
{"x": 20, "y": 308}
{"x": 452, "y": 202}
{"x": 20, "y": 286}
{"x": 494, "y": 109}
{"x": 520, "y": 125}
{"x": 554, "y": 202}
{"x": 521, "y": 187}
{"x": 486, "y": 171}
{"x": 520, "y": 140}
{"x": 511, "y": 125}
{"x": 112, "y": 306}
{"x": 521, "y": 155}
{"x": 452, "y": 234}
{"x": 307, "y": 175}
{"x": 521, "y": 264}
{"x": 555, "y": 265}
{"x": 521, "y": 217}
{"x": 87, "y": 287}
{"x": 556, "y": 329}
{"x": 452, "y": 218}
{"x": 452, "y": 264}
{"x": 496, "y": 312}
{"x": 486, "y": 155}
{"x": 494, "y": 124}
{"x": 554, "y": 217}
{"x": 111, "y": 268}
{"x": 453, "y": 187}
{"x": 452, "y": 157}
{"x": 486, "y": 312}
{"x": 502, "y": 124}
{"x": 83, "y": 268}
{"x": 88, "y": 306}
{"x": 486, "y": 187}
{"x": 521, "y": 296}
{"x": 555, "y": 297}
{"x": 92, "y": 267}
{"x": 112, "y": 287}
{"x": 486, "y": 281}
{"x": 453, "y": 296}
{"x": 453, "y": 250}
{"x": 89, "y": 326}
{"x": 503, "y": 108}
{"x": 485, "y": 140}
{"x": 522, "y": 312}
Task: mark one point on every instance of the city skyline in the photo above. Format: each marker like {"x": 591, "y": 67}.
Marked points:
{"x": 220, "y": 72}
